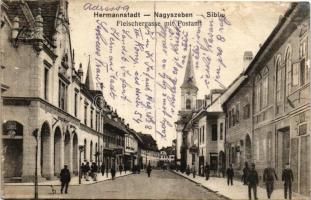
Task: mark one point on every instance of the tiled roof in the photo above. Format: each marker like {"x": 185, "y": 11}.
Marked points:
{"x": 114, "y": 124}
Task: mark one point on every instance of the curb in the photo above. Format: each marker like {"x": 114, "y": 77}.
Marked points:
{"x": 58, "y": 184}
{"x": 216, "y": 192}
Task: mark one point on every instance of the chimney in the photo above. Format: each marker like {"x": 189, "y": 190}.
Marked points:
{"x": 247, "y": 59}
{"x": 80, "y": 71}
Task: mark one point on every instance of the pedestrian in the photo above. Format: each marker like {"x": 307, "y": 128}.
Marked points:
{"x": 188, "y": 170}
{"x": 245, "y": 173}
{"x": 107, "y": 170}
{"x": 252, "y": 181}
{"x": 94, "y": 169}
{"x": 82, "y": 170}
{"x": 86, "y": 171}
{"x": 268, "y": 178}
{"x": 149, "y": 169}
{"x": 120, "y": 169}
{"x": 193, "y": 170}
{"x": 207, "y": 171}
{"x": 65, "y": 179}
{"x": 113, "y": 171}
{"x": 288, "y": 178}
{"x": 102, "y": 168}
{"x": 230, "y": 175}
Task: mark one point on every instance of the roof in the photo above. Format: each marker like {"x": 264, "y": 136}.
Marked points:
{"x": 148, "y": 142}
{"x": 189, "y": 79}
{"x": 89, "y": 77}
{"x": 49, "y": 9}
{"x": 115, "y": 124}
{"x": 303, "y": 8}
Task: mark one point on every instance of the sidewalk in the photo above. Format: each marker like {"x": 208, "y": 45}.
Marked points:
{"x": 74, "y": 180}
{"x": 238, "y": 190}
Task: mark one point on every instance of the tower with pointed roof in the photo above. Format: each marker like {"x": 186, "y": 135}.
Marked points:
{"x": 89, "y": 77}
{"x": 189, "y": 89}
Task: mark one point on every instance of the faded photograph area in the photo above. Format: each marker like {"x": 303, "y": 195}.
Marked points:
{"x": 154, "y": 99}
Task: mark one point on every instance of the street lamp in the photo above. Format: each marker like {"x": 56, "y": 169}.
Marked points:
{"x": 35, "y": 134}
{"x": 81, "y": 149}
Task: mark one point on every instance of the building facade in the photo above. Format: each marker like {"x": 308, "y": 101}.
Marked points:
{"x": 276, "y": 129}
{"x": 52, "y": 109}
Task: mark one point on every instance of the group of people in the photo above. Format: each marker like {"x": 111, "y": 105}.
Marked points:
{"x": 250, "y": 178}
{"x": 89, "y": 171}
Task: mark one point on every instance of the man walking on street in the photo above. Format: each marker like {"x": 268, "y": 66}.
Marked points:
{"x": 288, "y": 178}
{"x": 268, "y": 178}
{"x": 245, "y": 173}
{"x": 102, "y": 169}
{"x": 87, "y": 170}
{"x": 120, "y": 169}
{"x": 207, "y": 171}
{"x": 193, "y": 170}
{"x": 113, "y": 170}
{"x": 65, "y": 179}
{"x": 252, "y": 181}
{"x": 230, "y": 175}
{"x": 149, "y": 169}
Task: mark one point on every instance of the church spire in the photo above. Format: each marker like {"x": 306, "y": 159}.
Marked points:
{"x": 189, "y": 79}
{"x": 89, "y": 77}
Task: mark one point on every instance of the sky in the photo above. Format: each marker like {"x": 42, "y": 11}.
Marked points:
{"x": 142, "y": 72}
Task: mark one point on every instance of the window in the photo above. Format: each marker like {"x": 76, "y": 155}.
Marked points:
{"x": 203, "y": 134}
{"x": 302, "y": 72}
{"x": 258, "y": 96}
{"x": 91, "y": 151}
{"x": 237, "y": 113}
{"x": 288, "y": 68}
{"x": 214, "y": 132}
{"x": 85, "y": 114}
{"x": 91, "y": 117}
{"x": 295, "y": 74}
{"x": 246, "y": 111}
{"x": 233, "y": 117}
{"x": 278, "y": 84}
{"x": 46, "y": 83}
{"x": 62, "y": 95}
{"x": 230, "y": 119}
{"x": 84, "y": 152}
{"x": 96, "y": 122}
{"x": 76, "y": 104}
{"x": 188, "y": 104}
{"x": 221, "y": 131}
{"x": 200, "y": 136}
{"x": 265, "y": 91}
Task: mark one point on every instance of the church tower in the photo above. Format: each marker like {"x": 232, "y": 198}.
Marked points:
{"x": 189, "y": 92}
{"x": 189, "y": 89}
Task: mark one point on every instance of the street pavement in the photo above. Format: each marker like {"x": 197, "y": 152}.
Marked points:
{"x": 161, "y": 185}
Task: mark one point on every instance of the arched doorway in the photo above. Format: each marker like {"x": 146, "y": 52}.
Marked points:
{"x": 45, "y": 153}
{"x": 57, "y": 151}
{"x": 67, "y": 150}
{"x": 248, "y": 149}
{"x": 12, "y": 150}
{"x": 75, "y": 152}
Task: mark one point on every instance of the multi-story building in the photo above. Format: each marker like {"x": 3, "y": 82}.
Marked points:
{"x": 276, "y": 129}
{"x": 237, "y": 107}
{"x": 50, "y": 104}
{"x": 131, "y": 151}
{"x": 150, "y": 153}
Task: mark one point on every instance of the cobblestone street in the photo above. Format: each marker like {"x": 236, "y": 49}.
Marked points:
{"x": 161, "y": 185}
